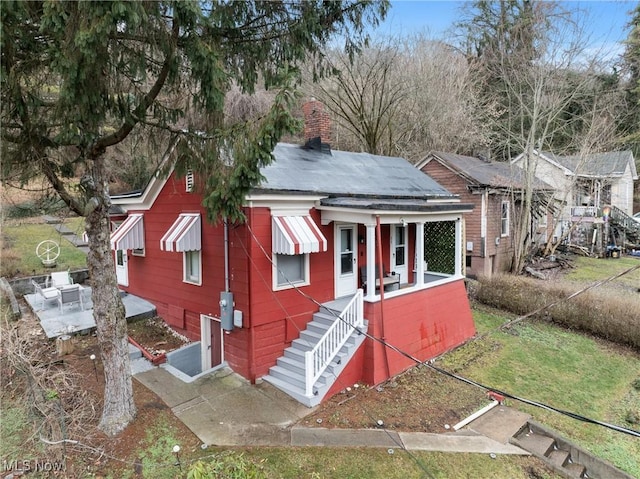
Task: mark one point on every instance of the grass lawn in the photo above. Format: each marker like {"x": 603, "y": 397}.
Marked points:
{"x": 20, "y": 239}
{"x": 588, "y": 270}
{"x": 568, "y": 371}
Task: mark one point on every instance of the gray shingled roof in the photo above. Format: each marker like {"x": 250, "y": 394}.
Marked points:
{"x": 342, "y": 173}
{"x": 613, "y": 163}
{"x": 487, "y": 173}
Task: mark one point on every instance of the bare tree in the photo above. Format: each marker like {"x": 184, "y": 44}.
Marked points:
{"x": 401, "y": 96}
{"x": 539, "y": 90}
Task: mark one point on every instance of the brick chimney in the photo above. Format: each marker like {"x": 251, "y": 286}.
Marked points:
{"x": 317, "y": 126}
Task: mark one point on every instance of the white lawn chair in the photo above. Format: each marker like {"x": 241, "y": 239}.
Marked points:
{"x": 60, "y": 279}
{"x": 70, "y": 294}
{"x": 45, "y": 294}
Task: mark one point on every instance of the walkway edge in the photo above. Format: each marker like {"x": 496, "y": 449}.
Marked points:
{"x": 414, "y": 441}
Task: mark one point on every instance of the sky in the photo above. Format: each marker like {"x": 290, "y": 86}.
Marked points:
{"x": 606, "y": 21}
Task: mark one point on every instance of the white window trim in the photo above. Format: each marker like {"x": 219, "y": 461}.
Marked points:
{"x": 138, "y": 252}
{"x": 184, "y": 268}
{"x": 281, "y": 287}
{"x": 508, "y": 219}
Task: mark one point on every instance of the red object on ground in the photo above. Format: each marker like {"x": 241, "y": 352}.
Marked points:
{"x": 155, "y": 360}
{"x": 495, "y": 396}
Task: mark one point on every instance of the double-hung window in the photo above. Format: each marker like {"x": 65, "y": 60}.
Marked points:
{"x": 192, "y": 261}
{"x": 504, "y": 219}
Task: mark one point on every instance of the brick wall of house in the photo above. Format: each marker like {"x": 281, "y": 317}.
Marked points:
{"x": 490, "y": 257}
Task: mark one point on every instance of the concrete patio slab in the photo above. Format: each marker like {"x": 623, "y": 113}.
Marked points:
{"x": 73, "y": 319}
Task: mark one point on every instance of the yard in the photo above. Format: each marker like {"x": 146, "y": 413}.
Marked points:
{"x": 534, "y": 360}
{"x": 19, "y": 240}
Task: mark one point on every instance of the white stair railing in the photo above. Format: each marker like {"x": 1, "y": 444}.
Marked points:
{"x": 317, "y": 360}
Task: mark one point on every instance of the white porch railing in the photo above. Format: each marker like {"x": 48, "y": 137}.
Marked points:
{"x": 317, "y": 360}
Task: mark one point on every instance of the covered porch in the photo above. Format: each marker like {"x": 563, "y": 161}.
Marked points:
{"x": 412, "y": 244}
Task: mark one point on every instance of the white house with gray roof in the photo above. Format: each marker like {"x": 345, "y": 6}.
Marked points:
{"x": 584, "y": 184}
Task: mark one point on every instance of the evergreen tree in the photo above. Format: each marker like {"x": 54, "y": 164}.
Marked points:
{"x": 630, "y": 124}
{"x": 77, "y": 78}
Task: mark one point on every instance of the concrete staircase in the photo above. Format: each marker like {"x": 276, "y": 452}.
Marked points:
{"x": 288, "y": 374}
{"x": 562, "y": 456}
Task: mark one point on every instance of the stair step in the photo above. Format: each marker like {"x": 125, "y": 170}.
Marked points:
{"x": 318, "y": 327}
{"x": 311, "y": 337}
{"x": 537, "y": 443}
{"x": 325, "y": 318}
{"x": 558, "y": 457}
{"x": 575, "y": 470}
{"x": 302, "y": 345}
{"x": 287, "y": 376}
{"x": 291, "y": 364}
{"x": 283, "y": 385}
{"x": 294, "y": 353}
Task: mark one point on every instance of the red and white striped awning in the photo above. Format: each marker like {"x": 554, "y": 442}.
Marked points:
{"x": 130, "y": 234}
{"x": 184, "y": 235}
{"x": 296, "y": 235}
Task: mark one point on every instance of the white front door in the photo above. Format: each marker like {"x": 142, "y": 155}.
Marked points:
{"x": 346, "y": 273}
{"x": 211, "y": 342}
{"x": 122, "y": 270}
{"x": 399, "y": 252}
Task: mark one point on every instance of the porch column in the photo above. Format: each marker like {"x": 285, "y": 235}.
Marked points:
{"x": 420, "y": 253}
{"x": 371, "y": 261}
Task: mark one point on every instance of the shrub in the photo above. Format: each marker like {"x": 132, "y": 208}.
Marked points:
{"x": 609, "y": 314}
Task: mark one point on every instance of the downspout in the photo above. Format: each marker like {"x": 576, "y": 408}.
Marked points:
{"x": 252, "y": 356}
{"x": 381, "y": 279}
{"x": 226, "y": 254}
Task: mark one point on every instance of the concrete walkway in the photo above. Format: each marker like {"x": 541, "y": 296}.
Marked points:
{"x": 224, "y": 409}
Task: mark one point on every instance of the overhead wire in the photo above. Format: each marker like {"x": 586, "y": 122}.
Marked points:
{"x": 399, "y": 444}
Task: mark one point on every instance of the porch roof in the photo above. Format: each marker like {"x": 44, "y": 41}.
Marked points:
{"x": 397, "y": 205}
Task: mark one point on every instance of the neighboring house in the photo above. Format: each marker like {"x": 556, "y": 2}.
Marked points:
{"x": 583, "y": 186}
{"x": 264, "y": 296}
{"x": 495, "y": 191}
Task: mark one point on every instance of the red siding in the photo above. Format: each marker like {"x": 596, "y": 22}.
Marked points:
{"x": 424, "y": 325}
{"x": 287, "y": 308}
{"x": 158, "y": 275}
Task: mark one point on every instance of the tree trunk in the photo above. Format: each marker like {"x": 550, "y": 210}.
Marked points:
{"x": 108, "y": 310}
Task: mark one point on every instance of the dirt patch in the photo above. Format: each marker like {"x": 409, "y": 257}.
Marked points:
{"x": 155, "y": 336}
{"x": 420, "y": 400}
{"x": 121, "y": 454}
{"x": 88, "y": 452}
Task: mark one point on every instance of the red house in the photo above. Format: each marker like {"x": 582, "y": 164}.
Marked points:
{"x": 287, "y": 295}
